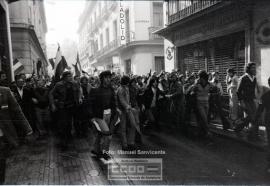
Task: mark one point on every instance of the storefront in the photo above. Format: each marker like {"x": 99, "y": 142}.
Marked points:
{"x": 215, "y": 55}
{"x": 224, "y": 34}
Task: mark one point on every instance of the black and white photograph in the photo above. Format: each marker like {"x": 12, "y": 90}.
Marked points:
{"x": 134, "y": 92}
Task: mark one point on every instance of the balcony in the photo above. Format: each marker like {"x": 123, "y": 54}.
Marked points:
{"x": 153, "y": 36}
{"x": 108, "y": 48}
{"x": 192, "y": 9}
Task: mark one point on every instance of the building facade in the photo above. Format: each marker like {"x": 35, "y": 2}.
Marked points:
{"x": 215, "y": 35}
{"x": 118, "y": 36}
{"x": 28, "y": 32}
{"x": 5, "y": 41}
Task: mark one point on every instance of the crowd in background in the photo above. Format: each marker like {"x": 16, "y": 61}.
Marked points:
{"x": 136, "y": 105}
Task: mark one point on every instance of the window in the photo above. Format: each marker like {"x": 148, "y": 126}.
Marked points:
{"x": 157, "y": 14}
{"x": 107, "y": 36}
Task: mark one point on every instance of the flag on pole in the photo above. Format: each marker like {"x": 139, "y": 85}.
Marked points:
{"x": 77, "y": 67}
{"x": 79, "y": 63}
{"x": 17, "y": 66}
{"x": 58, "y": 58}
{"x": 51, "y": 60}
{"x": 60, "y": 65}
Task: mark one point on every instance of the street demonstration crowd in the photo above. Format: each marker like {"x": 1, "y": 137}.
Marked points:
{"x": 133, "y": 105}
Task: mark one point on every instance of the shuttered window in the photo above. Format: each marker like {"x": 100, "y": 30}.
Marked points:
{"x": 216, "y": 55}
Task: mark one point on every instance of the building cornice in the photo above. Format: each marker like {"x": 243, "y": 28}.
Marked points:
{"x": 30, "y": 29}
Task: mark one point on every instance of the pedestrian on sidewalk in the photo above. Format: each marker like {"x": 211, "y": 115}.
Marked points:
{"x": 264, "y": 107}
{"x": 232, "y": 84}
{"x": 246, "y": 96}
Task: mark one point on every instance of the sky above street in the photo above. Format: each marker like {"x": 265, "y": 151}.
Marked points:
{"x": 62, "y": 22}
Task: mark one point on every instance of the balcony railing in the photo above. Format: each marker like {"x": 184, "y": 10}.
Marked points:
{"x": 192, "y": 9}
{"x": 153, "y": 36}
{"x": 108, "y": 48}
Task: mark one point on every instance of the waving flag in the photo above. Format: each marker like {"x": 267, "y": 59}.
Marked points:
{"x": 60, "y": 64}
{"x": 17, "y": 66}
{"x": 77, "y": 67}
{"x": 51, "y": 60}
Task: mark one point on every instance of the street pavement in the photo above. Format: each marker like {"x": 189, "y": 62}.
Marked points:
{"x": 186, "y": 161}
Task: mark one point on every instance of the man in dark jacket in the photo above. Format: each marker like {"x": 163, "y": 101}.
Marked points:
{"x": 102, "y": 101}
{"x": 64, "y": 98}
{"x": 24, "y": 97}
{"x": 246, "y": 96}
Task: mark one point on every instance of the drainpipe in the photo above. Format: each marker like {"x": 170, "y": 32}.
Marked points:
{"x": 9, "y": 44}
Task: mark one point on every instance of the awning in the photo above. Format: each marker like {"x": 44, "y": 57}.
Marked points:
{"x": 163, "y": 31}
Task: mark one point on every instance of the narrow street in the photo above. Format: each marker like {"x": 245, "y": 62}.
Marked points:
{"x": 186, "y": 161}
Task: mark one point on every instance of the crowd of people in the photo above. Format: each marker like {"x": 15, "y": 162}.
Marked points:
{"x": 133, "y": 105}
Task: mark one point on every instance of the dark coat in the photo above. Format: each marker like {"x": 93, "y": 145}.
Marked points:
{"x": 101, "y": 99}
{"x": 149, "y": 95}
{"x": 246, "y": 88}
{"x": 26, "y": 100}
{"x": 58, "y": 95}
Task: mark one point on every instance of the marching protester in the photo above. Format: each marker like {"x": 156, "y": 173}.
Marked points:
{"x": 246, "y": 97}
{"x": 128, "y": 122}
{"x": 64, "y": 98}
{"x": 81, "y": 119}
{"x": 102, "y": 100}
{"x": 24, "y": 97}
{"x": 151, "y": 97}
{"x": 175, "y": 95}
{"x": 200, "y": 90}
{"x": 216, "y": 101}
{"x": 41, "y": 104}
